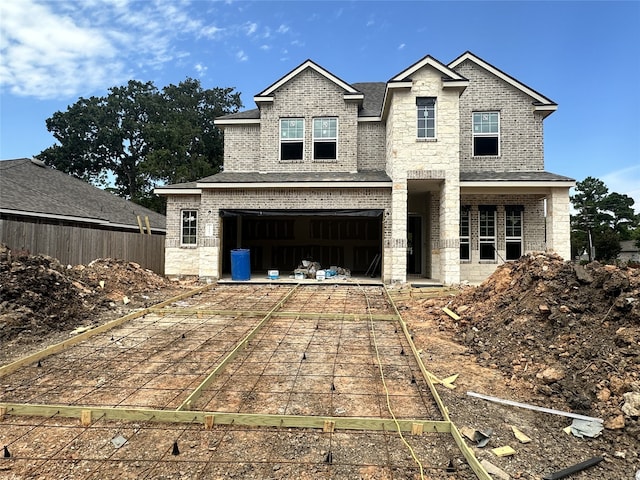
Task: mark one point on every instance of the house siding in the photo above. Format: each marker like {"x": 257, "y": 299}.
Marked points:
{"x": 309, "y": 95}
{"x": 371, "y": 146}
{"x": 521, "y": 132}
{"x": 424, "y": 173}
{"x": 241, "y": 148}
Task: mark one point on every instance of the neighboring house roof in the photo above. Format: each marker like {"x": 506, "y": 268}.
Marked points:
{"x": 30, "y": 188}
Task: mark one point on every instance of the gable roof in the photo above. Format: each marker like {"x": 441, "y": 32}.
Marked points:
{"x": 448, "y": 73}
{"x": 540, "y": 101}
{"x": 350, "y": 92}
{"x": 30, "y": 188}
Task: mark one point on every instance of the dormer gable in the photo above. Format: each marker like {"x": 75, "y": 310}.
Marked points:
{"x": 350, "y": 93}
{"x": 540, "y": 103}
{"x": 403, "y": 80}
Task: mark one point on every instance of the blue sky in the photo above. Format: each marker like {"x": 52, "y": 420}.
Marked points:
{"x": 583, "y": 55}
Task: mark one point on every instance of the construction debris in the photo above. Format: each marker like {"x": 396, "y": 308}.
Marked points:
{"x": 574, "y": 469}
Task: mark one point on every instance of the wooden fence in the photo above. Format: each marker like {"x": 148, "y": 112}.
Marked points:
{"x": 75, "y": 245}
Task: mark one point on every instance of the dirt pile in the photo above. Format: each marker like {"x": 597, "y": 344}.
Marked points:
{"x": 565, "y": 332}
{"x": 39, "y": 295}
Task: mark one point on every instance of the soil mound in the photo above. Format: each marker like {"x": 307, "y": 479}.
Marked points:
{"x": 570, "y": 333}
{"x": 39, "y": 295}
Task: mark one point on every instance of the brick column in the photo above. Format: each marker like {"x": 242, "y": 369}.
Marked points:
{"x": 450, "y": 230}
{"x": 559, "y": 223}
{"x": 398, "y": 246}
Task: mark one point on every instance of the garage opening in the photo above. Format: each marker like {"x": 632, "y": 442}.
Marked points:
{"x": 282, "y": 239}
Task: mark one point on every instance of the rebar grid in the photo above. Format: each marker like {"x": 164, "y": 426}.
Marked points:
{"x": 61, "y": 448}
{"x": 294, "y": 365}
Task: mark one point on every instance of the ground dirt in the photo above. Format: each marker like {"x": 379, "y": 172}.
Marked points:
{"x": 539, "y": 331}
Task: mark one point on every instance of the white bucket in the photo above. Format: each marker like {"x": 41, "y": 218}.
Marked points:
{"x": 273, "y": 274}
{"x": 320, "y": 275}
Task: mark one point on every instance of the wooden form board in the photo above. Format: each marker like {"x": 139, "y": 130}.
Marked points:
{"x": 208, "y": 419}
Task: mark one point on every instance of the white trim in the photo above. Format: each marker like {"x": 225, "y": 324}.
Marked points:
{"x": 432, "y": 62}
{"x": 399, "y": 84}
{"x": 263, "y": 99}
{"x": 455, "y": 84}
{"x": 293, "y": 73}
{"x": 177, "y": 191}
{"x": 327, "y": 184}
{"x": 197, "y": 226}
{"x": 503, "y": 76}
{"x": 517, "y": 184}
{"x": 353, "y": 96}
{"x": 369, "y": 119}
{"x": 239, "y": 121}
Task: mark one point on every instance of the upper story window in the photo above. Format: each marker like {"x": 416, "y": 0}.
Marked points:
{"x": 291, "y": 138}
{"x": 325, "y": 138}
{"x": 486, "y": 134}
{"x": 189, "y": 227}
{"x": 426, "y": 108}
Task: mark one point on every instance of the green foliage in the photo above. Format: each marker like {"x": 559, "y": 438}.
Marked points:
{"x": 602, "y": 219}
{"x": 137, "y": 136}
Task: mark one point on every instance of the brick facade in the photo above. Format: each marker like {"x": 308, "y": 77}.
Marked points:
{"x": 424, "y": 174}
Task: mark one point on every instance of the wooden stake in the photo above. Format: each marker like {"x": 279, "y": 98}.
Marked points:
{"x": 3, "y": 412}
{"x": 208, "y": 422}
{"x": 417, "y": 429}
{"x": 85, "y": 418}
{"x": 329, "y": 426}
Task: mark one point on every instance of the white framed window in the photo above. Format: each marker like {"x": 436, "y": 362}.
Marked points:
{"x": 291, "y": 138}
{"x": 325, "y": 138}
{"x": 486, "y": 134}
{"x": 189, "y": 227}
{"x": 487, "y": 232}
{"x": 513, "y": 231}
{"x": 426, "y": 117}
{"x": 465, "y": 234}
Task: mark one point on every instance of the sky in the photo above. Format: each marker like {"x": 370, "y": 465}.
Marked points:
{"x": 584, "y": 55}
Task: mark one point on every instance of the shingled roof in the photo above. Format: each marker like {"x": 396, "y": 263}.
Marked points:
{"x": 29, "y": 188}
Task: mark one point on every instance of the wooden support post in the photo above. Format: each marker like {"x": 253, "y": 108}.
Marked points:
{"x": 3, "y": 412}
{"x": 329, "y": 426}
{"x": 140, "y": 224}
{"x": 417, "y": 429}
{"x": 85, "y": 418}
{"x": 146, "y": 221}
{"x": 208, "y": 422}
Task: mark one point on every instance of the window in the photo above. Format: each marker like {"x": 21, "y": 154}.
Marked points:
{"x": 189, "y": 231}
{"x": 426, "y": 117}
{"x": 513, "y": 231}
{"x": 325, "y": 138}
{"x": 291, "y": 138}
{"x": 486, "y": 134}
{"x": 487, "y": 232}
{"x": 465, "y": 234}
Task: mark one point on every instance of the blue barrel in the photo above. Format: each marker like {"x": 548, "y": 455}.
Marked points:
{"x": 240, "y": 264}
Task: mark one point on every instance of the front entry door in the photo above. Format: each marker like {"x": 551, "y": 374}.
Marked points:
{"x": 414, "y": 245}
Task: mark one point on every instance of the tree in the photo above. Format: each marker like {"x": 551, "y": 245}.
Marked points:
{"x": 602, "y": 219}
{"x": 137, "y": 136}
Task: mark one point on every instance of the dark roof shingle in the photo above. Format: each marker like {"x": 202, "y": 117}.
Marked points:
{"x": 29, "y": 186}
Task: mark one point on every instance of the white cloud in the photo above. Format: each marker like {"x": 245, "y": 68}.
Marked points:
{"x": 251, "y": 28}
{"x": 241, "y": 56}
{"x": 625, "y": 181}
{"x": 200, "y": 69}
{"x": 65, "y": 48}
{"x": 283, "y": 29}
{"x": 401, "y": 46}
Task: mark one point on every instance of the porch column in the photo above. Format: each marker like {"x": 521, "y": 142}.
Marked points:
{"x": 450, "y": 230}
{"x": 398, "y": 242}
{"x": 559, "y": 222}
